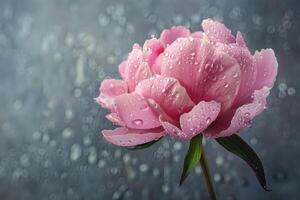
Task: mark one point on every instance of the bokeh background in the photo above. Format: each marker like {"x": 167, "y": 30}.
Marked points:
{"x": 54, "y": 54}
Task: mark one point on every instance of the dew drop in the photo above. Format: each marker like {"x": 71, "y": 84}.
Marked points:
{"x": 137, "y": 122}
{"x": 208, "y": 120}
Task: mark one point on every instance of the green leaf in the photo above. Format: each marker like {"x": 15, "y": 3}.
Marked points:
{"x": 143, "y": 146}
{"x": 240, "y": 148}
{"x": 192, "y": 157}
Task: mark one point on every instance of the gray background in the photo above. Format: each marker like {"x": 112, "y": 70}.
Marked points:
{"x": 54, "y": 54}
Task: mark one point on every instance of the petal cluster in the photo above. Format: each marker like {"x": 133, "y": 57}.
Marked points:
{"x": 184, "y": 84}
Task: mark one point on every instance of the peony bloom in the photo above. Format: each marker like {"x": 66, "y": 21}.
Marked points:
{"x": 184, "y": 84}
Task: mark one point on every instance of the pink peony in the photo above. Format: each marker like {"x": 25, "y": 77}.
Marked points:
{"x": 184, "y": 84}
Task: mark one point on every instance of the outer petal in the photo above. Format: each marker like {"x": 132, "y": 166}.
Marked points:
{"x": 199, "y": 118}
{"x": 241, "y": 118}
{"x": 266, "y": 64}
{"x": 134, "y": 69}
{"x": 168, "y": 36}
{"x": 172, "y": 129}
{"x": 114, "y": 118}
{"x": 152, "y": 49}
{"x": 109, "y": 89}
{"x": 248, "y": 70}
{"x": 217, "y": 32}
{"x": 123, "y": 136}
{"x": 135, "y": 112}
{"x": 168, "y": 93}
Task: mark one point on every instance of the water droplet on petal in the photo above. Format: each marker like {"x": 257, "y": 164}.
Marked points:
{"x": 208, "y": 120}
{"x": 137, "y": 122}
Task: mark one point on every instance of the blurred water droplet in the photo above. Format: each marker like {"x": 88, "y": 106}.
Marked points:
{"x": 217, "y": 178}
{"x": 280, "y": 176}
{"x": 75, "y": 152}
{"x": 291, "y": 91}
{"x": 67, "y": 133}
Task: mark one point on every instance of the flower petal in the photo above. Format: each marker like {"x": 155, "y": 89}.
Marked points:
{"x": 198, "y": 34}
{"x": 199, "y": 118}
{"x": 123, "y": 136}
{"x": 233, "y": 121}
{"x": 168, "y": 36}
{"x": 134, "y": 69}
{"x": 114, "y": 118}
{"x": 266, "y": 65}
{"x": 172, "y": 129}
{"x": 168, "y": 93}
{"x": 184, "y": 60}
{"x": 152, "y": 49}
{"x": 135, "y": 112}
{"x": 109, "y": 89}
{"x": 206, "y": 73}
{"x": 222, "y": 80}
{"x": 217, "y": 32}
{"x": 240, "y": 39}
{"x": 247, "y": 68}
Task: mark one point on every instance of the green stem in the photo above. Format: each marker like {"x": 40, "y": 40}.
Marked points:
{"x": 207, "y": 177}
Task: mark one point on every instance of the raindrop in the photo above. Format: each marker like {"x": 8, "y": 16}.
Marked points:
{"x": 198, "y": 170}
{"x": 137, "y": 122}
{"x": 75, "y": 152}
{"x": 219, "y": 160}
{"x": 208, "y": 120}
{"x": 279, "y": 176}
{"x": 143, "y": 168}
{"x": 101, "y": 163}
{"x": 165, "y": 188}
{"x": 217, "y": 178}
{"x": 177, "y": 146}
{"x": 67, "y": 133}
{"x": 87, "y": 141}
{"x": 291, "y": 91}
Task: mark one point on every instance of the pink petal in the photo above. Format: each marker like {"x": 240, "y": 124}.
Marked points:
{"x": 199, "y": 118}
{"x": 240, "y": 40}
{"x": 266, "y": 65}
{"x": 135, "y": 112}
{"x": 198, "y": 34}
{"x": 109, "y": 89}
{"x": 233, "y": 122}
{"x": 168, "y": 36}
{"x": 168, "y": 93}
{"x": 152, "y": 49}
{"x": 247, "y": 67}
{"x": 123, "y": 136}
{"x": 172, "y": 129}
{"x": 113, "y": 117}
{"x": 222, "y": 80}
{"x": 217, "y": 32}
{"x": 134, "y": 69}
{"x": 184, "y": 60}
{"x": 205, "y": 73}
{"x": 113, "y": 87}
{"x": 160, "y": 112}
